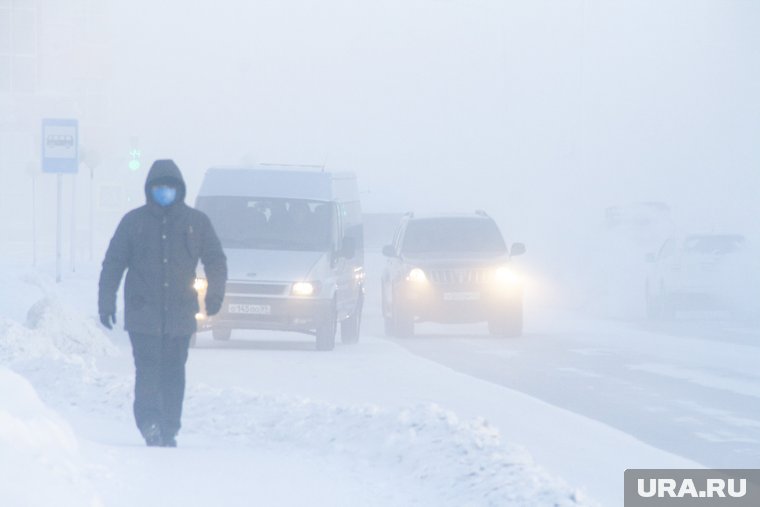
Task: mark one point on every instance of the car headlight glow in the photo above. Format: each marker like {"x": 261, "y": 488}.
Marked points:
{"x": 416, "y": 275}
{"x": 303, "y": 289}
{"x": 200, "y": 284}
{"x": 507, "y": 276}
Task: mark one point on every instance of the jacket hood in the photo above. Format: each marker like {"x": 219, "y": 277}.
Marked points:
{"x": 165, "y": 170}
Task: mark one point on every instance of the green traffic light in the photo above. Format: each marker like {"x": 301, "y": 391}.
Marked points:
{"x": 134, "y": 163}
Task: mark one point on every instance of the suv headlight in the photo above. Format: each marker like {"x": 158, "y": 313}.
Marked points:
{"x": 507, "y": 276}
{"x": 416, "y": 275}
{"x": 304, "y": 289}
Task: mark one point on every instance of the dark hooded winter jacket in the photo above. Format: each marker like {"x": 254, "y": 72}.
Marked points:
{"x": 160, "y": 248}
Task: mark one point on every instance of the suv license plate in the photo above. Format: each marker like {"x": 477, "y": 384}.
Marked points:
{"x": 250, "y": 309}
{"x": 461, "y": 296}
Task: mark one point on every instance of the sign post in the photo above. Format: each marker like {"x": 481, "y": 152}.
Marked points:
{"x": 60, "y": 155}
{"x": 32, "y": 167}
{"x": 90, "y": 158}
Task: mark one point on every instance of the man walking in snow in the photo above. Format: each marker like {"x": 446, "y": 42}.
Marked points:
{"x": 159, "y": 245}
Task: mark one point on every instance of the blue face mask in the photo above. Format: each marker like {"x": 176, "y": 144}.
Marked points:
{"x": 163, "y": 195}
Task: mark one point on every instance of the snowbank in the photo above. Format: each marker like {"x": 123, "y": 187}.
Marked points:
{"x": 40, "y": 462}
{"x": 53, "y": 329}
{"x": 464, "y": 462}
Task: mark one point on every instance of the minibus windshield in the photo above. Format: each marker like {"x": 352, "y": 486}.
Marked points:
{"x": 269, "y": 223}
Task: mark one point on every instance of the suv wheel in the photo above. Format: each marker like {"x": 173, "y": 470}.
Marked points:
{"x": 402, "y": 324}
{"x": 387, "y": 319}
{"x": 508, "y": 324}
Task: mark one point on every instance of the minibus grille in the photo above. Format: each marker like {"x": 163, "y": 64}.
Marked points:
{"x": 238, "y": 288}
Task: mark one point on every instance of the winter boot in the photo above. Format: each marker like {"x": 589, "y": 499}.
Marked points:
{"x": 168, "y": 438}
{"x": 152, "y": 435}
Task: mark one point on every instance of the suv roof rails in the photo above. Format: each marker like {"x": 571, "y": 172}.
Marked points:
{"x": 310, "y": 166}
{"x": 481, "y": 213}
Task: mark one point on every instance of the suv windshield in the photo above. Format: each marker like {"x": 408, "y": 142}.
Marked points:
{"x": 713, "y": 244}
{"x": 270, "y": 224}
{"x": 453, "y": 235}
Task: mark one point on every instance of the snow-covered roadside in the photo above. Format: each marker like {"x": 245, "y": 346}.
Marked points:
{"x": 589, "y": 455}
{"x": 421, "y": 454}
{"x": 41, "y": 461}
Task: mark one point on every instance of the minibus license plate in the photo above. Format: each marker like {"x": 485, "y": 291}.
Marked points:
{"x": 250, "y": 309}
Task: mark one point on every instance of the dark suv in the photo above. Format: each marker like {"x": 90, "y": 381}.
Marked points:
{"x": 451, "y": 268}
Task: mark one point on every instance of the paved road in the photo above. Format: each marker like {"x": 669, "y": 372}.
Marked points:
{"x": 691, "y": 387}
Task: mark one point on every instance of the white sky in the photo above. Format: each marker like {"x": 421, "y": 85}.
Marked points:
{"x": 536, "y": 110}
{"x": 633, "y": 100}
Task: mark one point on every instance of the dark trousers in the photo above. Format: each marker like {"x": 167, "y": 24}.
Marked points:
{"x": 159, "y": 380}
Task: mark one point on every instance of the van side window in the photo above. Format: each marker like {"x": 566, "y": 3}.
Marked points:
{"x": 352, "y": 225}
{"x": 337, "y": 222}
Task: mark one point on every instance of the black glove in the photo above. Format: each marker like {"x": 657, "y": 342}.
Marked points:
{"x": 108, "y": 320}
{"x": 213, "y": 305}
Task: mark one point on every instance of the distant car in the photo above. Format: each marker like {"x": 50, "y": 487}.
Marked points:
{"x": 451, "y": 268}
{"x": 693, "y": 272}
{"x": 644, "y": 224}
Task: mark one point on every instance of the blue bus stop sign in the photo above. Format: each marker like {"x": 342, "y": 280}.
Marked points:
{"x": 60, "y": 145}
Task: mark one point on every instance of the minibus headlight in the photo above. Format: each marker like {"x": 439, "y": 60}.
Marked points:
{"x": 304, "y": 289}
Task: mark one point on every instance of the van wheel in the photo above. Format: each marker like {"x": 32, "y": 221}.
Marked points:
{"x": 221, "y": 333}
{"x": 326, "y": 331}
{"x": 351, "y": 327}
{"x": 509, "y": 324}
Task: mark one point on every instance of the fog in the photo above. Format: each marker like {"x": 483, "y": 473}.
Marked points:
{"x": 619, "y": 140}
{"x": 453, "y": 104}
{"x": 543, "y": 113}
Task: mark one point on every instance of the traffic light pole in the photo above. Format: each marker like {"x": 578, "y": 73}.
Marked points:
{"x": 59, "y": 229}
{"x": 34, "y": 220}
{"x": 73, "y": 223}
{"x": 92, "y": 214}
